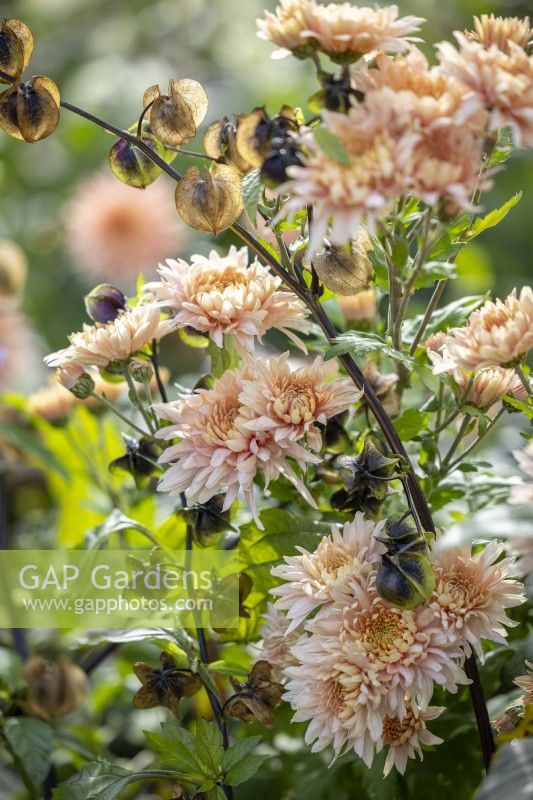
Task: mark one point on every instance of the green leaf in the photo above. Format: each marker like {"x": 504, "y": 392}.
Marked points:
{"x": 410, "y": 424}
{"x": 450, "y": 316}
{"x": 360, "y": 343}
{"x": 511, "y": 774}
{"x": 518, "y": 405}
{"x": 493, "y": 218}
{"x": 103, "y": 780}
{"x": 30, "y": 741}
{"x": 222, "y": 358}
{"x": 251, "y": 189}
{"x": 30, "y": 444}
{"x": 209, "y": 747}
{"x": 331, "y": 146}
{"x": 244, "y": 769}
{"x": 435, "y": 271}
{"x": 10, "y": 669}
{"x": 239, "y": 750}
{"x": 176, "y": 748}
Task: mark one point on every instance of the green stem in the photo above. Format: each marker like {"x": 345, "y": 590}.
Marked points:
{"x": 138, "y": 401}
{"x": 456, "y": 442}
{"x": 432, "y": 305}
{"x": 121, "y": 416}
{"x": 471, "y": 447}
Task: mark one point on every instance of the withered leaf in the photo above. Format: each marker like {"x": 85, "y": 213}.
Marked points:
{"x": 210, "y": 203}
{"x": 30, "y": 111}
{"x": 175, "y": 117}
{"x": 346, "y": 270}
{"x": 16, "y": 47}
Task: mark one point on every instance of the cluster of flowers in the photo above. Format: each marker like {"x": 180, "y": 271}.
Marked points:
{"x": 479, "y": 355}
{"x": 254, "y": 419}
{"x": 363, "y": 672}
{"x": 411, "y": 129}
{"x": 257, "y": 418}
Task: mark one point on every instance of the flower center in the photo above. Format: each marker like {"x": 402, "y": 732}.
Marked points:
{"x": 384, "y": 634}
{"x": 293, "y": 402}
{"x": 335, "y": 694}
{"x": 221, "y": 419}
{"x": 397, "y": 731}
{"x": 220, "y": 280}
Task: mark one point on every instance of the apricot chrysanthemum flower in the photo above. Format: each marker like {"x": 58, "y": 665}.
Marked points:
{"x": 114, "y": 229}
{"x": 289, "y": 403}
{"x": 313, "y": 579}
{"x": 277, "y": 642}
{"x": 489, "y": 30}
{"x": 217, "y": 452}
{"x": 404, "y": 736}
{"x": 494, "y": 64}
{"x": 221, "y": 295}
{"x": 360, "y": 307}
{"x": 341, "y": 30}
{"x": 102, "y": 344}
{"x": 416, "y": 132}
{"x": 472, "y": 592}
{"x": 496, "y": 334}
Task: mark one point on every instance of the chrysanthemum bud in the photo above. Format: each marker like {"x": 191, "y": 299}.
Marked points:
{"x": 16, "y": 47}
{"x": 345, "y": 270}
{"x": 141, "y": 370}
{"x": 255, "y": 132}
{"x": 131, "y": 166}
{"x": 55, "y": 689}
{"x": 210, "y": 203}
{"x": 13, "y": 268}
{"x": 175, "y": 117}
{"x": 104, "y": 303}
{"x": 220, "y": 143}
{"x": 76, "y": 380}
{"x": 30, "y": 111}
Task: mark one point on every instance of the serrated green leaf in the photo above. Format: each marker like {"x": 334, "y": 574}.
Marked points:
{"x": 244, "y": 769}
{"x": 361, "y": 343}
{"x": 176, "y": 748}
{"x": 449, "y": 316}
{"x": 433, "y": 271}
{"x": 209, "y": 747}
{"x": 251, "y": 189}
{"x": 331, "y": 145}
{"x": 518, "y": 405}
{"x": 238, "y": 751}
{"x": 493, "y": 218}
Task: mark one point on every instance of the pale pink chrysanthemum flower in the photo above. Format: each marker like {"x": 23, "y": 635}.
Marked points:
{"x": 114, "y": 229}
{"x": 225, "y": 295}
{"x": 102, "y": 344}
{"x": 487, "y": 386}
{"x": 502, "y": 79}
{"x": 285, "y": 27}
{"x": 344, "y": 195}
{"x": 288, "y": 403}
{"x": 522, "y": 546}
{"x": 313, "y": 579}
{"x": 523, "y": 492}
{"x": 472, "y": 593}
{"x": 277, "y": 643}
{"x": 20, "y": 357}
{"x": 404, "y": 736}
{"x": 341, "y": 30}
{"x": 404, "y": 651}
{"x": 525, "y": 682}
{"x": 496, "y": 334}
{"x": 217, "y": 453}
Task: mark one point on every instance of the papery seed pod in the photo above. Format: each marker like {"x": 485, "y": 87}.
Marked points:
{"x": 13, "y": 268}
{"x": 210, "y": 203}
{"x": 165, "y": 685}
{"x": 139, "y": 459}
{"x": 104, "y": 302}
{"x": 405, "y": 577}
{"x": 220, "y": 143}
{"x": 257, "y": 698}
{"x": 16, "y": 47}
{"x": 337, "y": 94}
{"x": 345, "y": 270}
{"x": 256, "y": 130}
{"x": 131, "y": 166}
{"x": 30, "y": 111}
{"x": 54, "y": 689}
{"x": 175, "y": 117}
{"x": 208, "y": 520}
